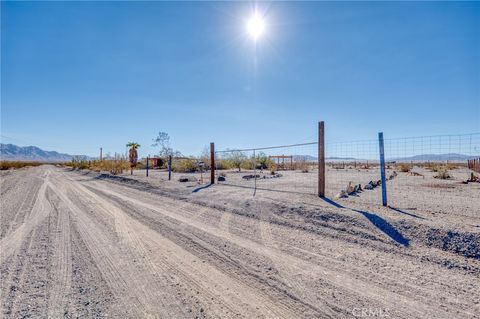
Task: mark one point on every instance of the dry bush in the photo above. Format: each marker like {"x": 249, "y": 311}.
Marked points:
{"x": 272, "y": 167}
{"x": 222, "y": 164}
{"x": 451, "y": 166}
{"x": 443, "y": 174}
{"x": 247, "y": 164}
{"x": 4, "y": 165}
{"x": 186, "y": 165}
{"x": 263, "y": 161}
{"x": 113, "y": 166}
{"x": 433, "y": 167}
{"x": 302, "y": 165}
{"x": 405, "y": 168}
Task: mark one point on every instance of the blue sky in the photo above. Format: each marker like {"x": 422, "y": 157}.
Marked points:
{"x": 80, "y": 75}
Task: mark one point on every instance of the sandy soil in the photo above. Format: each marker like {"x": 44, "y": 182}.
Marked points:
{"x": 84, "y": 244}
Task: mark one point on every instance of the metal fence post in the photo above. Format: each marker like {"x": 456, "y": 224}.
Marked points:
{"x": 170, "y": 167}
{"x": 212, "y": 163}
{"x": 321, "y": 159}
{"x": 147, "y": 166}
{"x": 254, "y": 174}
{"x": 382, "y": 169}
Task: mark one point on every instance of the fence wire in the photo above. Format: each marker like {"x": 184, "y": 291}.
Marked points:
{"x": 287, "y": 168}
{"x": 417, "y": 168}
{"x": 431, "y": 170}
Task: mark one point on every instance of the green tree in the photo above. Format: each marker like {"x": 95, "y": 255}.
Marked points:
{"x": 236, "y": 158}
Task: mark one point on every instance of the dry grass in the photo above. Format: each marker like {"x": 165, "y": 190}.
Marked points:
{"x": 186, "y": 165}
{"x": 451, "y": 166}
{"x": 435, "y": 167}
{"x": 5, "y": 165}
{"x": 113, "y": 166}
{"x": 302, "y": 165}
{"x": 405, "y": 168}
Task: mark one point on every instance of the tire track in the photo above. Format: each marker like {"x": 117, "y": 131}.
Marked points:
{"x": 213, "y": 282}
{"x": 403, "y": 285}
{"x": 61, "y": 266}
{"x": 16, "y": 246}
{"x": 355, "y": 286}
{"x": 119, "y": 274}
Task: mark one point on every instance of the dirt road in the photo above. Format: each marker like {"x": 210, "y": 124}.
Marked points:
{"x": 76, "y": 246}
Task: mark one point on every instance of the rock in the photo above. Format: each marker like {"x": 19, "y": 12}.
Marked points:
{"x": 342, "y": 194}
{"x": 368, "y": 186}
{"x": 350, "y": 188}
{"x": 251, "y": 176}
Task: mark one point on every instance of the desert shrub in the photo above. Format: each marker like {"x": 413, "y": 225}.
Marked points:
{"x": 186, "y": 165}
{"x": 236, "y": 159}
{"x": 272, "y": 167}
{"x": 251, "y": 163}
{"x": 113, "y": 166}
{"x": 403, "y": 167}
{"x": 435, "y": 167}
{"x": 79, "y": 164}
{"x": 143, "y": 165}
{"x": 451, "y": 166}
{"x": 302, "y": 165}
{"x": 4, "y": 165}
{"x": 443, "y": 174}
{"x": 263, "y": 161}
{"x": 223, "y": 164}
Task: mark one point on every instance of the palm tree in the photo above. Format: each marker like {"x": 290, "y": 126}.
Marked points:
{"x": 133, "y": 155}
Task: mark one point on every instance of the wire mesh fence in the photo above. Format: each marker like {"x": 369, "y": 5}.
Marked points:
{"x": 288, "y": 168}
{"x": 430, "y": 168}
{"x": 416, "y": 168}
{"x": 352, "y": 171}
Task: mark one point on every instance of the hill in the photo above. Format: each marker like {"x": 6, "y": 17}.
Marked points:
{"x": 10, "y": 152}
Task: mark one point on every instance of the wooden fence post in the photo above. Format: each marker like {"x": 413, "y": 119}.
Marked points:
{"x": 382, "y": 169}
{"x": 212, "y": 163}
{"x": 321, "y": 159}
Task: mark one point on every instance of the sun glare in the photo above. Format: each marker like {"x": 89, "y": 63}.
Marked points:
{"x": 256, "y": 26}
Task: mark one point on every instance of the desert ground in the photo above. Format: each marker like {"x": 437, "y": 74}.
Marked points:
{"x": 89, "y": 244}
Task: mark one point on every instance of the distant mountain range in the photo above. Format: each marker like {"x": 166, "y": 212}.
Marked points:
{"x": 10, "y": 152}
{"x": 454, "y": 157}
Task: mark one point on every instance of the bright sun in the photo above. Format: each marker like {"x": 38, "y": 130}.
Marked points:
{"x": 255, "y": 26}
